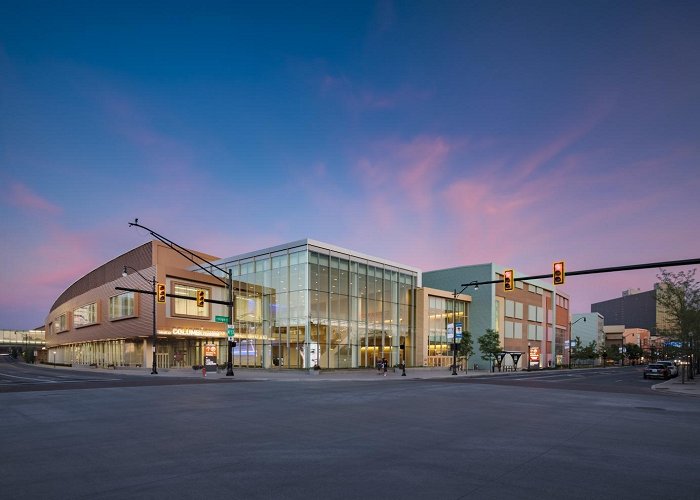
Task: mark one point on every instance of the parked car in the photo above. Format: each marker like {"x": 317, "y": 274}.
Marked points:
{"x": 657, "y": 370}
{"x": 672, "y": 368}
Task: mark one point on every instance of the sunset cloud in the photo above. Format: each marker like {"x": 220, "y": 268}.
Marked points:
{"x": 24, "y": 198}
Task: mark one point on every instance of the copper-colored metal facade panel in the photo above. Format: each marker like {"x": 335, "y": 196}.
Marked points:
{"x": 100, "y": 285}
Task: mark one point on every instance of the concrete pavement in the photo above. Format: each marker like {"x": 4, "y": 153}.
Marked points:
{"x": 679, "y": 386}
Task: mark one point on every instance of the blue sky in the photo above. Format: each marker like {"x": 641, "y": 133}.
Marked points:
{"x": 435, "y": 134}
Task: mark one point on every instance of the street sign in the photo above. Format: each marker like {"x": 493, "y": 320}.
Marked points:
{"x": 221, "y": 319}
{"x": 230, "y": 331}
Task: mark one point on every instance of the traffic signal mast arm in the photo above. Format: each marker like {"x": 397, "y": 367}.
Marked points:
{"x": 652, "y": 265}
{"x": 185, "y": 297}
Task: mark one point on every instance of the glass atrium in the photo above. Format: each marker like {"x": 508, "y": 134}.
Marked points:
{"x": 310, "y": 304}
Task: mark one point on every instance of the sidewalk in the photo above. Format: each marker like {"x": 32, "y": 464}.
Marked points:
{"x": 285, "y": 374}
{"x": 677, "y": 386}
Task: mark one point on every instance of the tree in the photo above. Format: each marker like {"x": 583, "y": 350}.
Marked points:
{"x": 591, "y": 350}
{"x": 466, "y": 347}
{"x": 490, "y": 345}
{"x": 634, "y": 352}
{"x": 580, "y": 352}
{"x": 611, "y": 352}
{"x": 679, "y": 296}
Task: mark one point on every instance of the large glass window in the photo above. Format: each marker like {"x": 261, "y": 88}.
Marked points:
{"x": 60, "y": 324}
{"x": 323, "y": 272}
{"x": 122, "y": 306}
{"x": 335, "y": 295}
{"x": 85, "y": 315}
{"x": 188, "y": 307}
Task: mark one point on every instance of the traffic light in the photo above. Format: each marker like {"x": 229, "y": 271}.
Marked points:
{"x": 558, "y": 273}
{"x": 200, "y": 298}
{"x": 508, "y": 281}
{"x": 160, "y": 292}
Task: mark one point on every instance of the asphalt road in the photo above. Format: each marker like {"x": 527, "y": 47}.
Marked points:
{"x": 506, "y": 437}
{"x": 17, "y": 376}
{"x": 627, "y": 380}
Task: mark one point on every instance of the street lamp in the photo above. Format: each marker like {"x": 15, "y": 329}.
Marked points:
{"x": 475, "y": 284}
{"x": 571, "y": 333}
{"x": 154, "y": 370}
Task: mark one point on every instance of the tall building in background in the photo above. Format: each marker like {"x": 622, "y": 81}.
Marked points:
{"x": 634, "y": 309}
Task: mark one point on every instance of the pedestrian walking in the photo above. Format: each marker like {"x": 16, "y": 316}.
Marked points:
{"x": 385, "y": 364}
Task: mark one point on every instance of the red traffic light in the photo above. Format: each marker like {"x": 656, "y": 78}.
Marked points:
{"x": 508, "y": 280}
{"x": 558, "y": 273}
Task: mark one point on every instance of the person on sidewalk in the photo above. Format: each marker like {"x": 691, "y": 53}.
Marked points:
{"x": 385, "y": 364}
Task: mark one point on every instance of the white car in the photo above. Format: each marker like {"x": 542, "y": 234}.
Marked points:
{"x": 672, "y": 368}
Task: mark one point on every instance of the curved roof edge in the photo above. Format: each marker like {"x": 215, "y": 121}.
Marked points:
{"x": 140, "y": 257}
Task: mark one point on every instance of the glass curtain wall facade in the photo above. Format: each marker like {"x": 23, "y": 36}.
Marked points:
{"x": 443, "y": 312}
{"x": 308, "y": 306}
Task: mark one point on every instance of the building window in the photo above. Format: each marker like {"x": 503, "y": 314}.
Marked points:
{"x": 188, "y": 307}
{"x": 508, "y": 330}
{"x": 60, "y": 324}
{"x": 519, "y": 310}
{"x": 514, "y": 309}
{"x": 85, "y": 315}
{"x": 510, "y": 309}
{"x": 517, "y": 330}
{"x": 122, "y": 306}
{"x": 535, "y": 332}
{"x": 535, "y": 313}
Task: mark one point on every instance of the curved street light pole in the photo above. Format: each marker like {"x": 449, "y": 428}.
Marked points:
{"x": 571, "y": 334}
{"x": 154, "y": 370}
{"x": 191, "y": 256}
{"x": 475, "y": 284}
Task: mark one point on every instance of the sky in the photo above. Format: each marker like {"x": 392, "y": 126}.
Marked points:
{"x": 431, "y": 133}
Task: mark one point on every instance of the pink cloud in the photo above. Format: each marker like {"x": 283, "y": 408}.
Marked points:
{"x": 24, "y": 198}
{"x": 405, "y": 169}
{"x": 547, "y": 152}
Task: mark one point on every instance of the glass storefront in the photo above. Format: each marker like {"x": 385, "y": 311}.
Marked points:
{"x": 309, "y": 306}
{"x": 443, "y": 312}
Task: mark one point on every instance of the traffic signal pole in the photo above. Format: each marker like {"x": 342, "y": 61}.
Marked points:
{"x": 229, "y": 342}
{"x": 651, "y": 265}
{"x": 191, "y": 256}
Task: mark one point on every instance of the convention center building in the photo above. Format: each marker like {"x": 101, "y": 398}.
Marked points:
{"x": 300, "y": 305}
